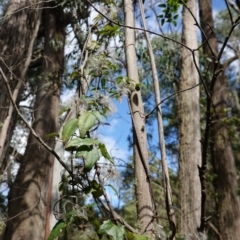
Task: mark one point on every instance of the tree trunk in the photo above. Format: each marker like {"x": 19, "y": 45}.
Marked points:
{"x": 17, "y": 36}
{"x": 189, "y": 129}
{"x": 29, "y": 196}
{"x": 144, "y": 202}
{"x": 223, "y": 161}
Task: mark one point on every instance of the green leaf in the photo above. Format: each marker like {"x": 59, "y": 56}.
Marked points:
{"x": 115, "y": 231}
{"x": 91, "y": 157}
{"x": 86, "y": 234}
{"x": 105, "y": 153}
{"x": 69, "y": 129}
{"x": 94, "y": 188}
{"x": 162, "y": 5}
{"x": 82, "y": 149}
{"x": 103, "y": 82}
{"x": 109, "y": 30}
{"x": 93, "y": 45}
{"x": 74, "y": 74}
{"x": 50, "y": 135}
{"x": 97, "y": 115}
{"x": 60, "y": 225}
{"x": 162, "y": 21}
{"x": 85, "y": 122}
{"x": 78, "y": 142}
{"x": 63, "y": 109}
{"x": 60, "y": 186}
{"x": 88, "y": 189}
{"x": 134, "y": 236}
{"x": 97, "y": 193}
{"x": 140, "y": 237}
{"x": 175, "y": 17}
{"x": 137, "y": 86}
{"x": 113, "y": 188}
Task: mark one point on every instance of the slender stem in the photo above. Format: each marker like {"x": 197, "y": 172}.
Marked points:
{"x": 166, "y": 180}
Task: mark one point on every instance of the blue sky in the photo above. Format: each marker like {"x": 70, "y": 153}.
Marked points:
{"x": 120, "y": 122}
{"x": 115, "y": 135}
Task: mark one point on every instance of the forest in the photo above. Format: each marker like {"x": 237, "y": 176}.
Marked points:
{"x": 119, "y": 120}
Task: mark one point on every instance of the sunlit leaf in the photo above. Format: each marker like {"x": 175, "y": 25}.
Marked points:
{"x": 78, "y": 142}
{"x": 109, "y": 30}
{"x": 115, "y": 231}
{"x": 97, "y": 115}
{"x": 140, "y": 237}
{"x": 50, "y": 135}
{"x": 105, "y": 153}
{"x": 60, "y": 225}
{"x": 91, "y": 157}
{"x": 74, "y": 74}
{"x": 85, "y": 122}
{"x": 69, "y": 129}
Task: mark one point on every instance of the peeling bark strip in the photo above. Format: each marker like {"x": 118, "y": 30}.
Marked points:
{"x": 189, "y": 129}
{"x": 17, "y": 36}
{"x": 228, "y": 206}
{"x": 30, "y": 190}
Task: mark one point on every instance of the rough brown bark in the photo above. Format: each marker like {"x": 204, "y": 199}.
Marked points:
{"x": 143, "y": 194}
{"x": 28, "y": 212}
{"x": 189, "y": 129}
{"x": 17, "y": 35}
{"x": 228, "y": 205}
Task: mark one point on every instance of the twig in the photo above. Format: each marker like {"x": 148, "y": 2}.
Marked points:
{"x": 234, "y": 5}
{"x": 229, "y": 11}
{"x": 171, "y": 95}
{"x": 215, "y": 230}
{"x": 137, "y": 28}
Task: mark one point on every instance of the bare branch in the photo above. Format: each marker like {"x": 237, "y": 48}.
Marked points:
{"x": 171, "y": 95}
{"x": 137, "y": 28}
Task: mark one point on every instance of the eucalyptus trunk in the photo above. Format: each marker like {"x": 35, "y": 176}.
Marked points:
{"x": 17, "y": 35}
{"x": 30, "y": 194}
{"x": 142, "y": 185}
{"x": 189, "y": 128}
{"x": 228, "y": 206}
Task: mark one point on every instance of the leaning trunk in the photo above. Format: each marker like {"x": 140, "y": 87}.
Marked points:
{"x": 144, "y": 202}
{"x": 17, "y": 36}
{"x": 189, "y": 129}
{"x": 228, "y": 206}
{"x": 29, "y": 196}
